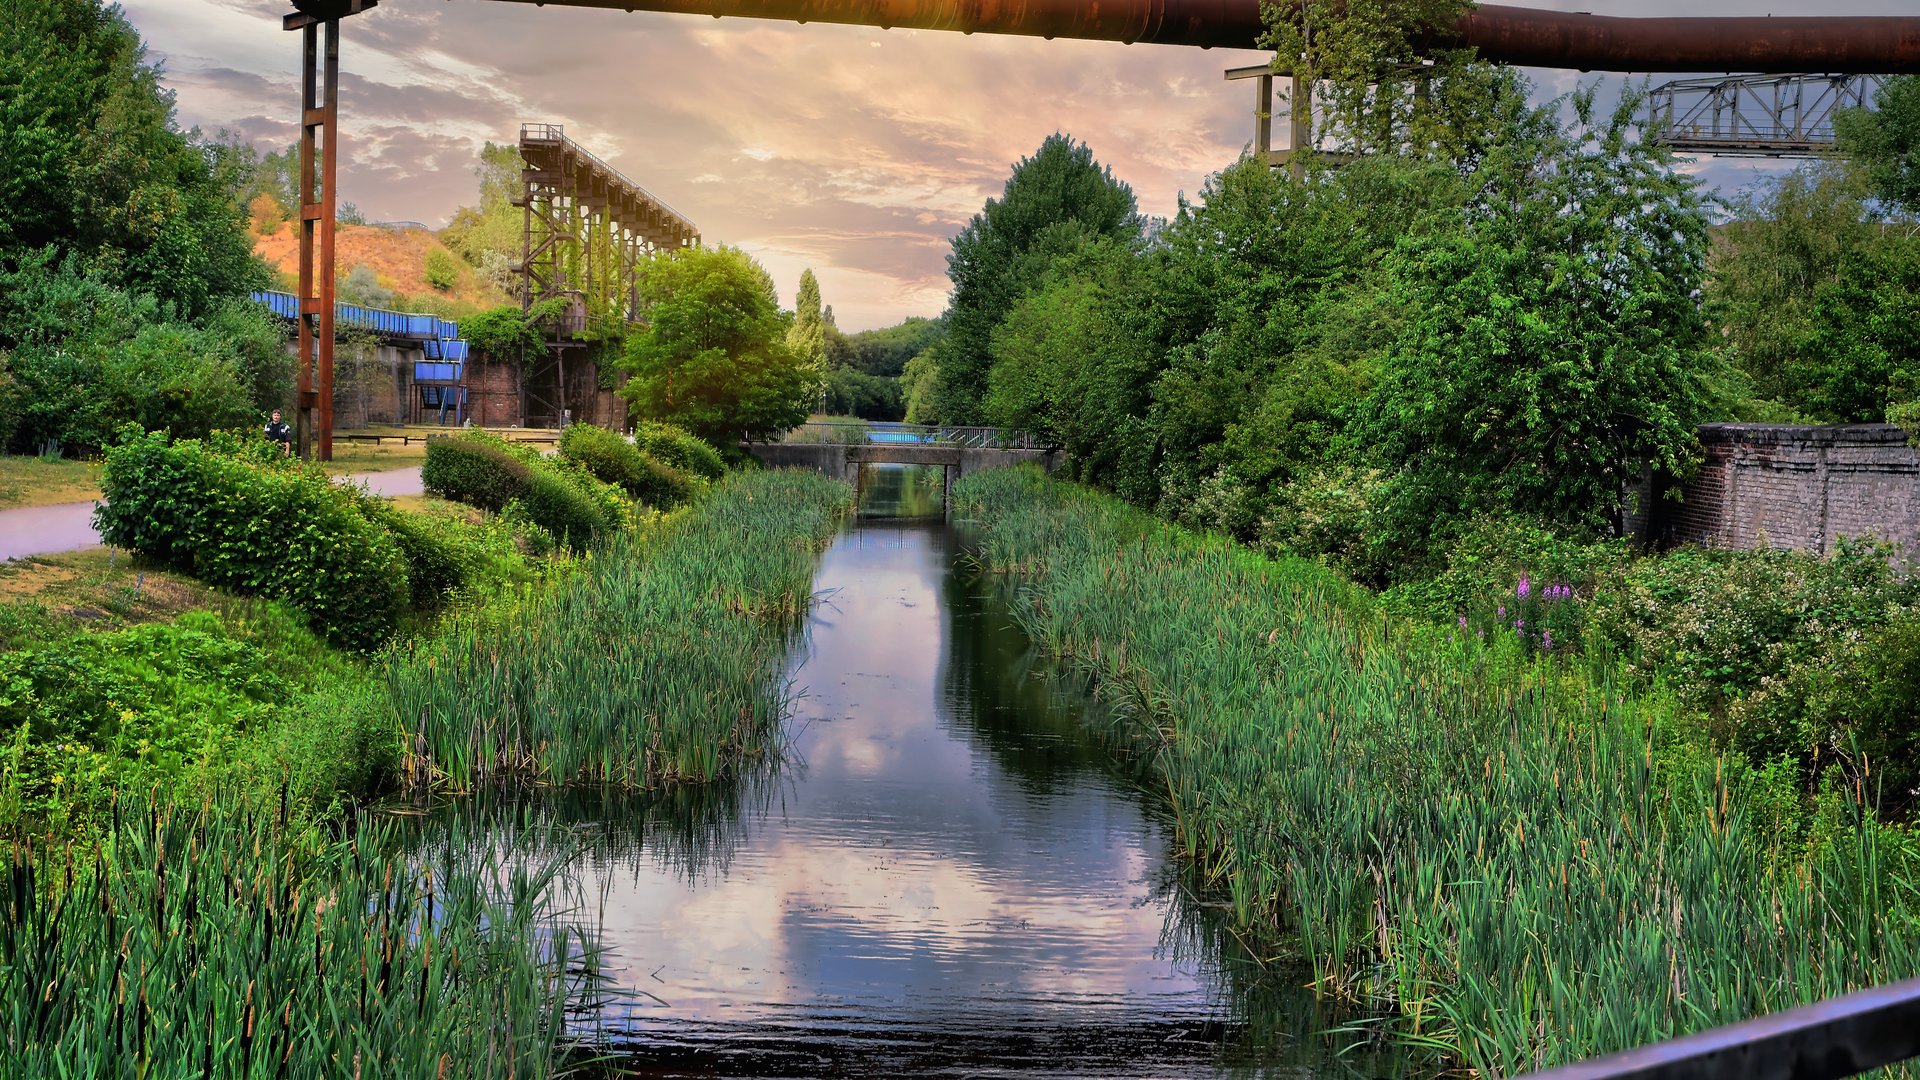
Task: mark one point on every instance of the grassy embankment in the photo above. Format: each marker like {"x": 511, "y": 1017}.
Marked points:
{"x": 177, "y": 748}
{"x": 1517, "y": 862}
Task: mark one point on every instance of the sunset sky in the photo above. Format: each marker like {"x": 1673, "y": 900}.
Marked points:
{"x": 855, "y": 151}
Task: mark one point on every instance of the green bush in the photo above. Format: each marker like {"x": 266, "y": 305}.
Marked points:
{"x": 565, "y": 510}
{"x": 476, "y": 470}
{"x": 677, "y": 447}
{"x": 440, "y": 557}
{"x": 560, "y": 496}
{"x": 614, "y": 460}
{"x": 441, "y": 271}
{"x": 233, "y": 515}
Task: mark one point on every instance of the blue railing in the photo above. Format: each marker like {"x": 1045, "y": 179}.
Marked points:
{"x": 438, "y": 338}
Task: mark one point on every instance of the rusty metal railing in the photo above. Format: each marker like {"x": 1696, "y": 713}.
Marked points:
{"x": 1841, "y": 1036}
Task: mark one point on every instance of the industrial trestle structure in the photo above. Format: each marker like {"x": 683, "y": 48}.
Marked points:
{"x": 1755, "y": 115}
{"x": 587, "y": 229}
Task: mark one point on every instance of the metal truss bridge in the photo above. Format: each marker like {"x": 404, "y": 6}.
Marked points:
{"x": 1778, "y": 116}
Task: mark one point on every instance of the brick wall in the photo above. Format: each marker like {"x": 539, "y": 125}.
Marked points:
{"x": 1799, "y": 487}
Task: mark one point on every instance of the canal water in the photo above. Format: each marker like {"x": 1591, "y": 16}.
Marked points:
{"x": 944, "y": 875}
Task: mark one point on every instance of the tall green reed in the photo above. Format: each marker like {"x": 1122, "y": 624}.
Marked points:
{"x": 222, "y": 941}
{"x": 657, "y": 663}
{"x": 1520, "y": 863}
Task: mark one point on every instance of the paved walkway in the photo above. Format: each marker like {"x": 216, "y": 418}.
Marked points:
{"x": 45, "y": 530}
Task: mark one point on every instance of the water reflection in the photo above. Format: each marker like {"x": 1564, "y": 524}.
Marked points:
{"x": 945, "y": 877}
{"x": 902, "y": 491}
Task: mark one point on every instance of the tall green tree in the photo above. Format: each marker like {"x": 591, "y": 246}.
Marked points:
{"x": 1055, "y": 201}
{"x": 93, "y": 164}
{"x": 1885, "y": 141}
{"x": 1810, "y": 295}
{"x": 807, "y": 337}
{"x": 1554, "y": 342}
{"x": 713, "y": 356}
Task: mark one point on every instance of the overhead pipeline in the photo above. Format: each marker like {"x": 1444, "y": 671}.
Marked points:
{"x": 1887, "y": 45}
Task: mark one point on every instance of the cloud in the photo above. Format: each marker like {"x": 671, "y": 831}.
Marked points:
{"x": 853, "y": 150}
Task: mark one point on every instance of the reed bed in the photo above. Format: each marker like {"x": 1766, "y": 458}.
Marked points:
{"x": 658, "y": 663}
{"x": 223, "y": 942}
{"x": 1516, "y": 863}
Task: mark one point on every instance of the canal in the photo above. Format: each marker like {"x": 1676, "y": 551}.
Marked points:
{"x": 945, "y": 875}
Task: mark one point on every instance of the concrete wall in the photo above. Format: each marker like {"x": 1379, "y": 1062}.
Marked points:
{"x": 1801, "y": 487}
{"x": 843, "y": 462}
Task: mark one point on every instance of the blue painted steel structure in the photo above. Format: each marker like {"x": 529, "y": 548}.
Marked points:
{"x": 438, "y": 377}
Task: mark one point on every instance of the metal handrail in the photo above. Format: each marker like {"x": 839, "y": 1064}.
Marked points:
{"x": 1841, "y": 1036}
{"x": 857, "y": 433}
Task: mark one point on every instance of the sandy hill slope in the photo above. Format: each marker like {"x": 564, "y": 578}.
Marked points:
{"x": 396, "y": 256}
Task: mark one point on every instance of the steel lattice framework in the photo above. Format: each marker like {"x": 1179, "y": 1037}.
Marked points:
{"x": 587, "y": 229}
{"x": 1755, "y": 115}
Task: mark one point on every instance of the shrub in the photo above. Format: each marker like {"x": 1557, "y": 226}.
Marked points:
{"x": 440, "y": 558}
{"x": 614, "y": 460}
{"x": 441, "y": 271}
{"x": 491, "y": 473}
{"x": 679, "y": 448}
{"x": 475, "y": 470}
{"x": 565, "y": 510}
{"x": 232, "y": 515}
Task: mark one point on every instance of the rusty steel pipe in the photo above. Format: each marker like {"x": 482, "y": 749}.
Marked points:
{"x": 1885, "y": 45}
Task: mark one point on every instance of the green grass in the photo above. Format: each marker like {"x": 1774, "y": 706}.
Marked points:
{"x": 1516, "y": 863}
{"x": 656, "y": 663}
{"x": 26, "y": 480}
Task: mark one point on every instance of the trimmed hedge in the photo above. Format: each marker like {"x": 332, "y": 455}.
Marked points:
{"x": 242, "y": 518}
{"x": 680, "y": 449}
{"x": 475, "y": 470}
{"x": 613, "y": 459}
{"x": 486, "y": 471}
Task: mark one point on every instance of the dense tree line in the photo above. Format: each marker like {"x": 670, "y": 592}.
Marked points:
{"x": 1366, "y": 361}
{"x": 125, "y": 257}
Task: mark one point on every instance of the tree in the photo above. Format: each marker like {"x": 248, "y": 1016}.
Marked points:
{"x": 713, "y": 357}
{"x": 93, "y": 164}
{"x": 441, "y": 269}
{"x": 1885, "y": 141}
{"x": 1055, "y": 201}
{"x": 1553, "y": 344}
{"x": 492, "y": 227}
{"x": 1379, "y": 83}
{"x": 807, "y": 337}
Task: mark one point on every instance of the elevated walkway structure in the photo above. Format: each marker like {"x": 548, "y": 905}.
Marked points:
{"x": 587, "y": 229}
{"x": 436, "y": 383}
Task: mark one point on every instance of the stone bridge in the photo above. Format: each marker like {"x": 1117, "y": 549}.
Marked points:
{"x": 840, "y": 450}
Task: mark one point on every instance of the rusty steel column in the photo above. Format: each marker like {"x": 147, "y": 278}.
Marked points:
{"x": 319, "y": 171}
{"x": 304, "y": 327}
{"x": 329, "y": 192}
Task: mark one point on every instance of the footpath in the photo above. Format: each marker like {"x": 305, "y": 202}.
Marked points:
{"x": 47, "y": 530}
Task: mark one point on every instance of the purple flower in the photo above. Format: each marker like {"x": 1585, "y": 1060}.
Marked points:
{"x": 1526, "y": 586}
{"x": 1463, "y": 622}
{"x": 1479, "y": 633}
{"x": 1501, "y": 612}
{"x": 1519, "y": 623}
{"x": 1546, "y": 640}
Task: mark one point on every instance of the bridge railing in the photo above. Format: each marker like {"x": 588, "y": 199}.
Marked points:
{"x": 1841, "y": 1036}
{"x": 880, "y": 433}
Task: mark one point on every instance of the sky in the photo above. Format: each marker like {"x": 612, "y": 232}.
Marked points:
{"x": 853, "y": 151}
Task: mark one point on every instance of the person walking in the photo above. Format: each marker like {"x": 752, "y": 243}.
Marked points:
{"x": 278, "y": 431}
